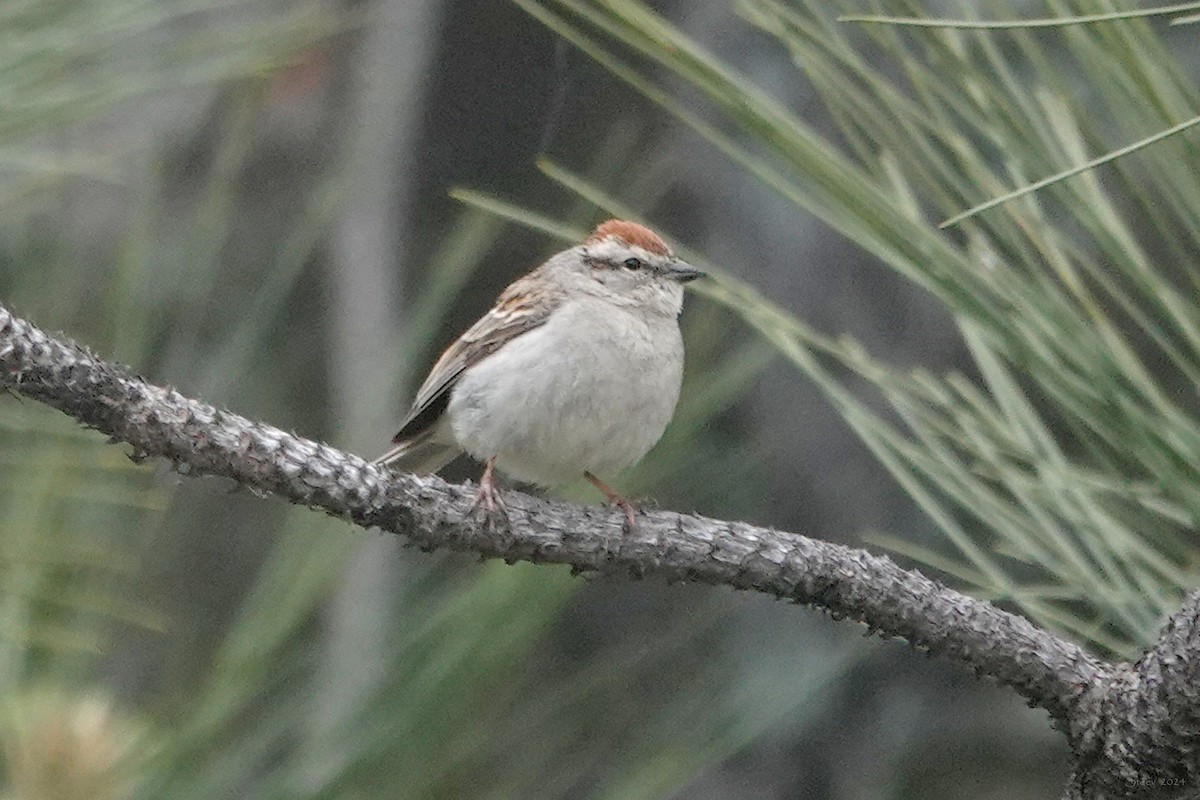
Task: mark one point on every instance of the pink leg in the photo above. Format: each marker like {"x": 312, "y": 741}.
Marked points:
{"x": 615, "y": 499}
{"x": 487, "y": 494}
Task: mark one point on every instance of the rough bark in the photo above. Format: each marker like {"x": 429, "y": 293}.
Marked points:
{"x": 1134, "y": 728}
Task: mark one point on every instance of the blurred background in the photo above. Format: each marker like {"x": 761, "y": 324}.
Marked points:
{"x": 251, "y": 201}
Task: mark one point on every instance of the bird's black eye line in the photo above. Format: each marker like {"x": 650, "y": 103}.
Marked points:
{"x": 634, "y": 263}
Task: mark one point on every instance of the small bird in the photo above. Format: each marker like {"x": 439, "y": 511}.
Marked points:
{"x": 575, "y": 371}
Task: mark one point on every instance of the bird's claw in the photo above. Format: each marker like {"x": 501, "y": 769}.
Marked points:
{"x": 488, "y": 497}
{"x": 617, "y": 500}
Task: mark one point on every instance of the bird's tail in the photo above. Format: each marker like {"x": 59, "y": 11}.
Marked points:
{"x": 420, "y": 455}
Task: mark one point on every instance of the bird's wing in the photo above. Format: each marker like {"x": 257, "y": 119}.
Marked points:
{"x": 525, "y": 305}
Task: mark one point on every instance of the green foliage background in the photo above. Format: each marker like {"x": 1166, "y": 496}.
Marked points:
{"x": 1060, "y": 467}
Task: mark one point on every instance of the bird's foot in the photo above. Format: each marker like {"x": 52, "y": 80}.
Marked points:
{"x": 616, "y": 500}
{"x": 488, "y": 497}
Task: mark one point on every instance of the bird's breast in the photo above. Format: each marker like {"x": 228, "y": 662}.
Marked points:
{"x": 592, "y": 389}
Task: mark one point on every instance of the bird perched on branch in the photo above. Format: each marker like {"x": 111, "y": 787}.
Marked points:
{"x": 575, "y": 371}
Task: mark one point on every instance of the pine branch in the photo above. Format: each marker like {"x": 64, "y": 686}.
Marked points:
{"x": 1128, "y": 724}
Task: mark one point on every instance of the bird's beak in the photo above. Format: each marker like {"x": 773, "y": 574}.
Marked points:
{"x": 682, "y": 271}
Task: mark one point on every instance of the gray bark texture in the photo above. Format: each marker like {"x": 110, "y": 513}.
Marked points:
{"x": 1134, "y": 728}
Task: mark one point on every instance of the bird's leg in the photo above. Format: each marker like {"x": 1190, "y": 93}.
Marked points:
{"x": 615, "y": 499}
{"x": 488, "y": 495}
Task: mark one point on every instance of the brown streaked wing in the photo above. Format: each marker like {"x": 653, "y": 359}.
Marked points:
{"x": 523, "y": 306}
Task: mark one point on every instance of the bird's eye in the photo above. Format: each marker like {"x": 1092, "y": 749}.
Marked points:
{"x": 634, "y": 263}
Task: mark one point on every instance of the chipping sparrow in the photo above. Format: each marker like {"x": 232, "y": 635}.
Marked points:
{"x": 575, "y": 371}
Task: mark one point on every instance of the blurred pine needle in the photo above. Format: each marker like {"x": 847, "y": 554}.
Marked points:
{"x": 1063, "y": 470}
